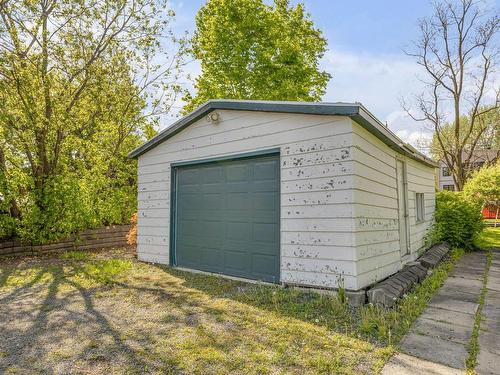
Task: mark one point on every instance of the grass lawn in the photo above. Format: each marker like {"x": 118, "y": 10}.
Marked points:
{"x": 489, "y": 238}
{"x": 107, "y": 313}
{"x": 492, "y": 220}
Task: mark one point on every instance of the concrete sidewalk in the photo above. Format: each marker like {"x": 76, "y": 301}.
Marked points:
{"x": 437, "y": 342}
{"x": 488, "y": 360}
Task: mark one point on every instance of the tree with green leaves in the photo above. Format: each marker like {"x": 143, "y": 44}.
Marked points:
{"x": 251, "y": 50}
{"x": 484, "y": 185}
{"x": 485, "y": 140}
{"x": 81, "y": 84}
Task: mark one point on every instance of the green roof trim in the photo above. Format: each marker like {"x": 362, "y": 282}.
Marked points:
{"x": 356, "y": 111}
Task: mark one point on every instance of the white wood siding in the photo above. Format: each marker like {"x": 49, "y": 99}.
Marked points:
{"x": 317, "y": 230}
{"x": 339, "y": 217}
{"x": 376, "y": 207}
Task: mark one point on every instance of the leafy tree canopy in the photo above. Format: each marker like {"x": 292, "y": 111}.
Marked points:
{"x": 80, "y": 86}
{"x": 251, "y": 50}
{"x": 486, "y": 135}
{"x": 484, "y": 184}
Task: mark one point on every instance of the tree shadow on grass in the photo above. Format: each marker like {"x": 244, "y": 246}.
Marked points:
{"x": 259, "y": 309}
{"x": 318, "y": 309}
{"x": 25, "y": 288}
{"x": 208, "y": 327}
{"x": 23, "y": 345}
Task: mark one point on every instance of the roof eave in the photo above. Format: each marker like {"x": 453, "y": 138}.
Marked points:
{"x": 374, "y": 126}
{"x": 356, "y": 111}
{"x": 171, "y": 130}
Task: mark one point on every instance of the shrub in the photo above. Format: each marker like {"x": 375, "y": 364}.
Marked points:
{"x": 132, "y": 233}
{"x": 66, "y": 205}
{"x": 458, "y": 219}
{"x": 484, "y": 184}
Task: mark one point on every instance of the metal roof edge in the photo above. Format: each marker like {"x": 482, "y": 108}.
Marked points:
{"x": 171, "y": 130}
{"x": 356, "y": 111}
{"x": 367, "y": 120}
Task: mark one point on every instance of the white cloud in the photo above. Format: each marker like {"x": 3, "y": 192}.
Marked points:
{"x": 379, "y": 81}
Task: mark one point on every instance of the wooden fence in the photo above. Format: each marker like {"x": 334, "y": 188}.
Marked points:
{"x": 111, "y": 236}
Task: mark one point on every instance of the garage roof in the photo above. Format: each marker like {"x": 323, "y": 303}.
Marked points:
{"x": 356, "y": 111}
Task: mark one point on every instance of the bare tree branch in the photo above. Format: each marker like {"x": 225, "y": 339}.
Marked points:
{"x": 452, "y": 41}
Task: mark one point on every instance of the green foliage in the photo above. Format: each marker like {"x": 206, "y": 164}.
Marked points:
{"x": 250, "y": 50}
{"x": 79, "y": 90}
{"x": 458, "y": 220}
{"x": 77, "y": 255}
{"x": 485, "y": 135}
{"x": 105, "y": 271}
{"x": 489, "y": 238}
{"x": 474, "y": 143}
{"x": 484, "y": 184}
{"x": 473, "y": 347}
{"x": 389, "y": 325}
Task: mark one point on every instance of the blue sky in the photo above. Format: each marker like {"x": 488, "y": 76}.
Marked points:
{"x": 365, "y": 55}
{"x": 383, "y": 26}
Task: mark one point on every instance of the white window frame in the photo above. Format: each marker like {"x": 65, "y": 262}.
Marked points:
{"x": 419, "y": 207}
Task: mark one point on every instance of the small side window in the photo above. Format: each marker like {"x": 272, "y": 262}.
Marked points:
{"x": 420, "y": 207}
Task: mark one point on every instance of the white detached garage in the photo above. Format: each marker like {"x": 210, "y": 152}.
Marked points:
{"x": 310, "y": 194}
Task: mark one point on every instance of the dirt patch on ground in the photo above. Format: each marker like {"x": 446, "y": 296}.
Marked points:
{"x": 104, "y": 312}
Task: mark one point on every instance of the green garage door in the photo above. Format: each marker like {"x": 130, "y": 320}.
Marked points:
{"x": 227, "y": 217}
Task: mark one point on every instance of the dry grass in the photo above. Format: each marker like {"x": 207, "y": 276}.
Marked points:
{"x": 104, "y": 312}
{"x": 83, "y": 313}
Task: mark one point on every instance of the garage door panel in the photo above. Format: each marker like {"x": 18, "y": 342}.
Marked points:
{"x": 190, "y": 255}
{"x": 186, "y": 229}
{"x": 265, "y": 201}
{"x": 211, "y": 229}
{"x": 189, "y": 241}
{"x": 265, "y": 232}
{"x": 233, "y": 215}
{"x": 199, "y": 239}
{"x": 236, "y": 187}
{"x": 195, "y": 228}
{"x": 188, "y": 177}
{"x": 211, "y": 188}
{"x": 190, "y": 200}
{"x": 212, "y": 257}
{"x": 210, "y": 175}
{"x": 191, "y": 191}
{"x": 262, "y": 264}
{"x": 212, "y": 201}
{"x": 266, "y": 249}
{"x": 264, "y": 216}
{"x": 236, "y": 260}
{"x": 266, "y": 170}
{"x": 221, "y": 215}
{"x": 239, "y": 201}
{"x": 237, "y": 172}
{"x": 227, "y": 218}
{"x": 266, "y": 186}
{"x": 238, "y": 231}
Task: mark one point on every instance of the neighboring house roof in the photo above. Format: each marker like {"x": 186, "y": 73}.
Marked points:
{"x": 356, "y": 111}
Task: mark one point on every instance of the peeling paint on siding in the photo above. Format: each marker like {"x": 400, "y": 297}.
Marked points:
{"x": 338, "y": 207}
